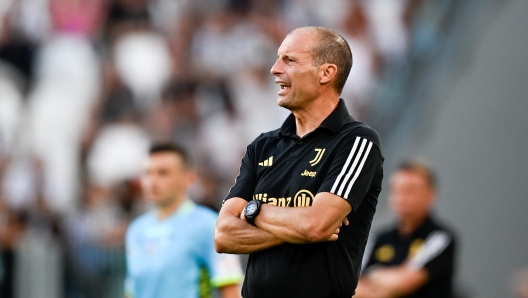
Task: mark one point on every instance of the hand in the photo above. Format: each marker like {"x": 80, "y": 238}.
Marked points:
{"x": 335, "y": 235}
{"x": 242, "y": 217}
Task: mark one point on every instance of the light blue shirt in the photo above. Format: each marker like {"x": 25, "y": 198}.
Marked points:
{"x": 166, "y": 258}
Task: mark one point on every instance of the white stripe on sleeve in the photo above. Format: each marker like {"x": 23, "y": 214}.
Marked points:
{"x": 434, "y": 245}
{"x": 360, "y": 156}
{"x": 343, "y": 170}
{"x": 358, "y": 170}
{"x": 351, "y": 170}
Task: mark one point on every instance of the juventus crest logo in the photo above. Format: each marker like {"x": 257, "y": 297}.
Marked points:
{"x": 318, "y": 156}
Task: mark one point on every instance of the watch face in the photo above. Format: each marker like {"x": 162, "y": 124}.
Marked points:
{"x": 251, "y": 208}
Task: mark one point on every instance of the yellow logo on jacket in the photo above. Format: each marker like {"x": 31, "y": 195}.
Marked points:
{"x": 267, "y": 163}
{"x": 318, "y": 156}
{"x": 385, "y": 253}
{"x": 308, "y": 173}
{"x": 415, "y": 247}
{"x": 303, "y": 198}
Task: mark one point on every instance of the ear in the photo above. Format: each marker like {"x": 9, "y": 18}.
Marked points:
{"x": 327, "y": 73}
{"x": 190, "y": 176}
{"x": 431, "y": 197}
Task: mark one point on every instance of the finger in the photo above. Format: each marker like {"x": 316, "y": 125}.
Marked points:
{"x": 334, "y": 237}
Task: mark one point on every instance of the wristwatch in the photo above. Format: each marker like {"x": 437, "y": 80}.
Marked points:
{"x": 251, "y": 210}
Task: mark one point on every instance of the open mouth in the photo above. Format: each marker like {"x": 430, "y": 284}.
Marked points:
{"x": 284, "y": 86}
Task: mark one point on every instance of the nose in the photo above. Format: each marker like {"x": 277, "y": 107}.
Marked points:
{"x": 276, "y": 69}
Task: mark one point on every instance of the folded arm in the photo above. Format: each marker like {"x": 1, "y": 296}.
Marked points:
{"x": 317, "y": 223}
{"x": 235, "y": 235}
{"x": 391, "y": 282}
{"x": 276, "y": 225}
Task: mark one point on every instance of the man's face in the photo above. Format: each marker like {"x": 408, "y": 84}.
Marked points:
{"x": 410, "y": 195}
{"x": 295, "y": 73}
{"x": 165, "y": 179}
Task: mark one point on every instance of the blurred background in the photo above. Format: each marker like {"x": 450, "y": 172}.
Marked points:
{"x": 87, "y": 85}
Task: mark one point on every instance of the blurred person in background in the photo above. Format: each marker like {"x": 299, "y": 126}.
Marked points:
{"x": 170, "y": 250}
{"x": 416, "y": 257}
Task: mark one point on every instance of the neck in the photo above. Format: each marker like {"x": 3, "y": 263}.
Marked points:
{"x": 167, "y": 210}
{"x": 309, "y": 118}
{"x": 408, "y": 226}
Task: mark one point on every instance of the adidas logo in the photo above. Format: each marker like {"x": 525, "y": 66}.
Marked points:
{"x": 267, "y": 163}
